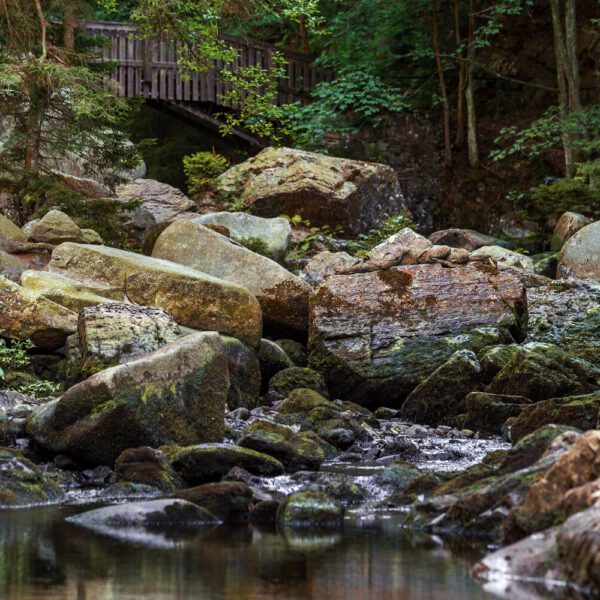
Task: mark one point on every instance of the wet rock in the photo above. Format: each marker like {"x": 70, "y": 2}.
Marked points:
{"x": 323, "y": 189}
{"x": 284, "y": 382}
{"x": 264, "y": 512}
{"x": 207, "y": 463}
{"x": 173, "y": 396}
{"x": 295, "y": 350}
{"x": 574, "y": 411}
{"x": 151, "y": 514}
{"x": 441, "y": 397}
{"x": 70, "y": 293}
{"x": 229, "y": 501}
{"x": 274, "y": 233}
{"x": 194, "y": 299}
{"x": 114, "y": 333}
{"x": 539, "y": 371}
{"x": 302, "y": 401}
{"x": 147, "y": 466}
{"x": 283, "y": 297}
{"x": 465, "y": 238}
{"x": 550, "y": 501}
{"x": 506, "y": 257}
{"x": 566, "y": 227}
{"x": 22, "y": 483}
{"x": 580, "y": 256}
{"x": 55, "y": 227}
{"x": 325, "y": 264}
{"x": 377, "y": 335}
{"x": 488, "y": 412}
{"x": 312, "y": 510}
{"x": 400, "y": 474}
{"x": 25, "y": 315}
{"x": 272, "y": 359}
{"x": 295, "y": 451}
{"x": 244, "y": 374}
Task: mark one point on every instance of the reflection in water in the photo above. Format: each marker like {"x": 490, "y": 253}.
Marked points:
{"x": 44, "y": 557}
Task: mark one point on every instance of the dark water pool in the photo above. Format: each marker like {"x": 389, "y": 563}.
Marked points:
{"x": 42, "y": 557}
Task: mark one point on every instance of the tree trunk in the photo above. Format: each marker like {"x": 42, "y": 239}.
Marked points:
{"x": 571, "y": 51}
{"x": 69, "y": 24}
{"x": 435, "y": 32}
{"x": 470, "y": 94}
{"x": 33, "y": 139}
{"x": 462, "y": 77}
{"x": 304, "y": 35}
{"x": 43, "y": 27}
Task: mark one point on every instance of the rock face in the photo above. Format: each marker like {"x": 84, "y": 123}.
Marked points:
{"x": 113, "y": 333}
{"x": 580, "y": 256}
{"x": 323, "y": 189}
{"x": 173, "y": 396}
{"x": 70, "y": 293}
{"x": 377, "y": 335}
{"x": 159, "y": 205}
{"x": 566, "y": 227}
{"x": 25, "y": 315}
{"x": 275, "y": 233}
{"x": 283, "y": 297}
{"x": 506, "y": 257}
{"x": 194, "y": 299}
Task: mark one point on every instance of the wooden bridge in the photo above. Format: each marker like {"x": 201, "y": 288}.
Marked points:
{"x": 148, "y": 68}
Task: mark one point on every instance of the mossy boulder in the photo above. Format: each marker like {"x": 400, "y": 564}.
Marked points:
{"x": 487, "y": 412}
{"x": 194, "y": 299}
{"x": 441, "y": 397}
{"x": 302, "y": 401}
{"x": 295, "y": 350}
{"x": 147, "y": 466}
{"x": 205, "y": 463}
{"x": 580, "y": 412}
{"x": 539, "y": 371}
{"x": 9, "y": 230}
{"x": 22, "y": 483}
{"x": 377, "y": 335}
{"x": 545, "y": 264}
{"x": 400, "y": 474}
{"x": 173, "y": 396}
{"x": 294, "y": 450}
{"x": 244, "y": 374}
{"x": 311, "y": 510}
{"x": 272, "y": 359}
{"x": 229, "y": 501}
{"x": 70, "y": 293}
{"x": 288, "y": 380}
{"x": 55, "y": 227}
{"x": 282, "y": 296}
{"x": 26, "y": 316}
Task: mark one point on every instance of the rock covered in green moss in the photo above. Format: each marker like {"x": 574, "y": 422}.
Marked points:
{"x": 25, "y": 315}
{"x": 288, "y": 380}
{"x": 441, "y": 397}
{"x": 295, "y": 451}
{"x": 580, "y": 412}
{"x": 244, "y": 374}
{"x": 229, "y": 501}
{"x": 272, "y": 359}
{"x": 147, "y": 466}
{"x": 283, "y": 297}
{"x": 302, "y": 401}
{"x": 487, "y": 412}
{"x": 194, "y": 299}
{"x": 295, "y": 350}
{"x": 205, "y": 463}
{"x": 55, "y": 227}
{"x": 173, "y": 396}
{"x": 545, "y": 264}
{"x": 22, "y": 483}
{"x": 539, "y": 371}
{"x": 311, "y": 510}
{"x": 377, "y": 335}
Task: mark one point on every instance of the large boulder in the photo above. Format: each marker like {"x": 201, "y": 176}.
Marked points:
{"x": 55, "y": 227}
{"x": 25, "y": 315}
{"x": 325, "y": 190}
{"x": 11, "y": 266}
{"x": 275, "y": 233}
{"x": 505, "y": 257}
{"x": 311, "y": 510}
{"x": 244, "y": 374}
{"x": 377, "y": 335}
{"x": 194, "y": 299}
{"x": 70, "y": 293}
{"x": 175, "y": 395}
{"x": 113, "y": 333}
{"x": 158, "y": 204}
{"x": 465, "y": 238}
{"x": 566, "y": 227}
{"x": 9, "y": 230}
{"x": 580, "y": 256}
{"x": 283, "y": 297}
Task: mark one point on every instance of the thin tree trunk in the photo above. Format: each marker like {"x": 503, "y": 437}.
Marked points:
{"x": 33, "y": 139}
{"x": 304, "y": 35}
{"x": 571, "y": 51}
{"x": 462, "y": 78}
{"x": 442, "y": 80}
{"x": 563, "y": 83}
{"x": 44, "y": 28}
{"x": 69, "y": 24}
{"x": 472, "y": 144}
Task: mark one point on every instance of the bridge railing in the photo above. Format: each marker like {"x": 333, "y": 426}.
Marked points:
{"x": 149, "y": 68}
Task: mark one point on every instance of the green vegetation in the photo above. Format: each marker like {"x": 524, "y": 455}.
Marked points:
{"x": 256, "y": 244}
{"x": 367, "y": 241}
{"x": 201, "y": 169}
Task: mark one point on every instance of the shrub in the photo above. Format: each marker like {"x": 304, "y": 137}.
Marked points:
{"x": 367, "y": 241}
{"x": 552, "y": 200}
{"x": 201, "y": 169}
{"x": 255, "y": 244}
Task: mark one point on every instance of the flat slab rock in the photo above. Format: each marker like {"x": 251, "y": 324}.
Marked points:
{"x": 377, "y": 335}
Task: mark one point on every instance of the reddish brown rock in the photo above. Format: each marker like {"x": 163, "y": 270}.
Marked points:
{"x": 566, "y": 227}
{"x": 377, "y": 335}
